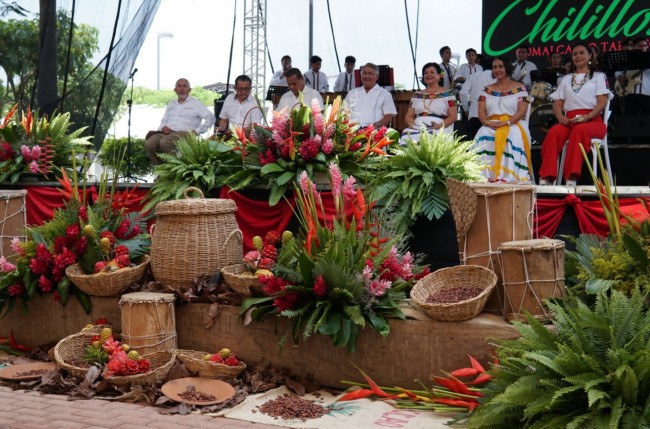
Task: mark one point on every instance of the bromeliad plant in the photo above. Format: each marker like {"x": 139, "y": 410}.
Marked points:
{"x": 339, "y": 274}
{"x": 104, "y": 232}
{"x": 306, "y": 139}
{"x": 37, "y": 145}
{"x": 593, "y": 372}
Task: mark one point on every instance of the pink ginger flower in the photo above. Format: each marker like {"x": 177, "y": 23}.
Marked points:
{"x": 367, "y": 273}
{"x": 306, "y": 185}
{"x": 328, "y": 131}
{"x": 16, "y": 247}
{"x": 33, "y": 167}
{"x": 26, "y": 152}
{"x": 279, "y": 121}
{"x": 6, "y": 266}
{"x": 335, "y": 175}
{"x": 277, "y": 137}
{"x": 350, "y": 189}
{"x": 379, "y": 287}
{"x": 327, "y": 147}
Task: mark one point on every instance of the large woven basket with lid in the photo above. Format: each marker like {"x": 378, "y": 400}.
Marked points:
{"x": 194, "y": 236}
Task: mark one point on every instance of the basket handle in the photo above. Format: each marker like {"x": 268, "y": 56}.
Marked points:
{"x": 190, "y": 189}
{"x": 234, "y": 231}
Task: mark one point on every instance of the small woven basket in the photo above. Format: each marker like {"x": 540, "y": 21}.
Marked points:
{"x": 241, "y": 280}
{"x": 194, "y": 362}
{"x": 452, "y": 277}
{"x": 72, "y": 348}
{"x": 106, "y": 283}
{"x": 161, "y": 364}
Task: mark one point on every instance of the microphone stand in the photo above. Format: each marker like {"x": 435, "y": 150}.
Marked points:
{"x": 129, "y": 102}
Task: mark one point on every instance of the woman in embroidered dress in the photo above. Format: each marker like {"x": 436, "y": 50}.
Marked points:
{"x": 578, "y": 103}
{"x": 434, "y": 108}
{"x": 504, "y": 140}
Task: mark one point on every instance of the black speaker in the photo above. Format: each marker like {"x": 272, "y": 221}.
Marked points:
{"x": 631, "y": 126}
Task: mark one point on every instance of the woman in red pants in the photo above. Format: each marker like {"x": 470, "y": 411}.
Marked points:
{"x": 579, "y": 100}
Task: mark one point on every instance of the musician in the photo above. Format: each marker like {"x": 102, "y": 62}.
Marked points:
{"x": 279, "y": 78}
{"x": 297, "y": 87}
{"x": 579, "y": 100}
{"x": 449, "y": 70}
{"x": 469, "y": 96}
{"x": 370, "y": 104}
{"x": 557, "y": 66}
{"x": 346, "y": 81}
{"x": 523, "y": 67}
{"x": 635, "y": 85}
{"x": 315, "y": 78}
{"x": 465, "y": 71}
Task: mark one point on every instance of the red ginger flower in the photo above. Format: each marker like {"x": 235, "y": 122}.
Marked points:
{"x": 286, "y": 302}
{"x": 16, "y": 289}
{"x": 272, "y": 237}
{"x": 320, "y": 288}
{"x": 45, "y": 284}
{"x": 109, "y": 235}
{"x": 270, "y": 252}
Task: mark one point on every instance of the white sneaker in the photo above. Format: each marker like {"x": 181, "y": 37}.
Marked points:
{"x": 544, "y": 182}
{"x": 571, "y": 183}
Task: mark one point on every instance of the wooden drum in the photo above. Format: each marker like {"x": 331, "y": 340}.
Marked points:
{"x": 486, "y": 215}
{"x": 532, "y": 271}
{"x": 148, "y": 321}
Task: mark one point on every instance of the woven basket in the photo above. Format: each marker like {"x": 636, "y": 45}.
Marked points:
{"x": 161, "y": 364}
{"x": 193, "y": 237}
{"x": 194, "y": 362}
{"x": 451, "y": 277}
{"x": 106, "y": 283}
{"x": 246, "y": 285}
{"x": 73, "y": 347}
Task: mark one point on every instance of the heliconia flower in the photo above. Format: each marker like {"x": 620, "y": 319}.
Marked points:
{"x": 33, "y": 167}
{"x": 379, "y": 287}
{"x": 6, "y": 266}
{"x": 16, "y": 247}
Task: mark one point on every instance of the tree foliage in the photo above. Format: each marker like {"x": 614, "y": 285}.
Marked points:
{"x": 19, "y": 42}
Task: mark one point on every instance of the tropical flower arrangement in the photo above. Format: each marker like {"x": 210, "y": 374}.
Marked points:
{"x": 305, "y": 139}
{"x": 37, "y": 145}
{"x": 105, "y": 350}
{"x": 98, "y": 233}
{"x": 338, "y": 274}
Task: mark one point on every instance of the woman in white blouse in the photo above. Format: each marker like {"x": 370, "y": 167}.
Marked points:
{"x": 434, "y": 108}
{"x": 578, "y": 102}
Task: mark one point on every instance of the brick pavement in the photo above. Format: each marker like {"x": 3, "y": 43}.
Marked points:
{"x": 22, "y": 409}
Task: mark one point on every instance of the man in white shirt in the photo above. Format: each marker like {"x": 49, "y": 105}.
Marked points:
{"x": 465, "y": 71}
{"x": 297, "y": 88}
{"x": 315, "y": 78}
{"x": 370, "y": 104}
{"x": 469, "y": 95}
{"x": 279, "y": 78}
{"x": 182, "y": 116}
{"x": 448, "y": 68}
{"x": 240, "y": 108}
{"x": 523, "y": 67}
{"x": 638, "y": 101}
{"x": 345, "y": 81}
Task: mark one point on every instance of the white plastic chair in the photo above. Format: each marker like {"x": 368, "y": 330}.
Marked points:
{"x": 595, "y": 145}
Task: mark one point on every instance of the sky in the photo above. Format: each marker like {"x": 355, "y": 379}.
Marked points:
{"x": 371, "y": 30}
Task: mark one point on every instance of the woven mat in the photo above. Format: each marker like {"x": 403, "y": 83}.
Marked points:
{"x": 361, "y": 413}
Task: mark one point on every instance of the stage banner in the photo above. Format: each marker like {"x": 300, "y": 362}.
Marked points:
{"x": 548, "y": 26}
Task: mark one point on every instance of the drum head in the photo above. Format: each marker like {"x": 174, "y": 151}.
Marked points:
{"x": 147, "y": 297}
{"x": 541, "y": 120}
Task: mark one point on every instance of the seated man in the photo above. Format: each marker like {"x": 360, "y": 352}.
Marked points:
{"x": 182, "y": 116}
{"x": 239, "y": 107}
{"x": 296, "y": 83}
{"x": 370, "y": 104}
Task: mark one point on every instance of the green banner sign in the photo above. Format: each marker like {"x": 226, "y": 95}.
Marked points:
{"x": 549, "y": 26}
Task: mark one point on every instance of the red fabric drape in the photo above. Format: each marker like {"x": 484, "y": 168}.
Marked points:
{"x": 590, "y": 214}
